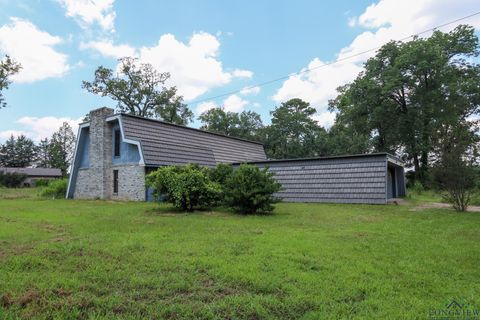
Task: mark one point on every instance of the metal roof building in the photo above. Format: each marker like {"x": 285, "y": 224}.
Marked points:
{"x": 115, "y": 151}
{"x": 363, "y": 178}
{"x": 34, "y": 174}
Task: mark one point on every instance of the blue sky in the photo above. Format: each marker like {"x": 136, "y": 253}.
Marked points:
{"x": 209, "y": 47}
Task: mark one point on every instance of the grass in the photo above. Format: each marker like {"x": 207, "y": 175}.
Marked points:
{"x": 436, "y": 196}
{"x": 97, "y": 259}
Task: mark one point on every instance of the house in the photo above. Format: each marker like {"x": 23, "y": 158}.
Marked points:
{"x": 34, "y": 174}
{"x": 114, "y": 152}
{"x": 363, "y": 178}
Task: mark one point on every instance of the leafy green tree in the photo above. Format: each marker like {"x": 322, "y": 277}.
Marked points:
{"x": 341, "y": 140}
{"x": 43, "y": 154}
{"x": 293, "y": 133}
{"x": 8, "y": 67}
{"x": 18, "y": 152}
{"x": 408, "y": 91}
{"x": 455, "y": 168}
{"x": 140, "y": 90}
{"x": 174, "y": 111}
{"x": 244, "y": 125}
{"x": 60, "y": 148}
{"x": 249, "y": 190}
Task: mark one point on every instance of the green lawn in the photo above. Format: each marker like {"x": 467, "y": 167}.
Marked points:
{"x": 94, "y": 260}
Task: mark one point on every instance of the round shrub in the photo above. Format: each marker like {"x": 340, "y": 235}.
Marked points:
{"x": 186, "y": 187}
{"x": 249, "y": 190}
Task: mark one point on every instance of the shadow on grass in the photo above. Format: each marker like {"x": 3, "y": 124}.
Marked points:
{"x": 216, "y": 211}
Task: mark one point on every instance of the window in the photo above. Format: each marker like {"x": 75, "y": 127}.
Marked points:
{"x": 115, "y": 181}
{"x": 116, "y": 138}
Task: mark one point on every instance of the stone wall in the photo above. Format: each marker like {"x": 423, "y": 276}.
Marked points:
{"x": 87, "y": 184}
{"x": 131, "y": 182}
{"x": 96, "y": 181}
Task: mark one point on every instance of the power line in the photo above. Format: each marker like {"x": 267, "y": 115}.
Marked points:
{"x": 261, "y": 84}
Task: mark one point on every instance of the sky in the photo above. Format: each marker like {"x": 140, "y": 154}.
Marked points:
{"x": 210, "y": 48}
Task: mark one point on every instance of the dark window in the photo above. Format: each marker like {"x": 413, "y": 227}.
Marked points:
{"x": 116, "y": 142}
{"x": 115, "y": 181}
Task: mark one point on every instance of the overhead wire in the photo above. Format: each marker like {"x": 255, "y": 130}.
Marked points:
{"x": 306, "y": 70}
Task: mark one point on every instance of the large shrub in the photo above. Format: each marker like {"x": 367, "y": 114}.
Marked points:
{"x": 220, "y": 173}
{"x": 458, "y": 182}
{"x": 56, "y": 189}
{"x": 186, "y": 187}
{"x": 249, "y": 189}
{"x": 11, "y": 180}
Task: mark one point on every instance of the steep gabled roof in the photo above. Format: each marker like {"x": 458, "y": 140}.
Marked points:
{"x": 164, "y": 143}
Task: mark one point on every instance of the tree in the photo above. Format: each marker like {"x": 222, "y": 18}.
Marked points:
{"x": 454, "y": 171}
{"x": 293, "y": 133}
{"x": 17, "y": 152}
{"x": 174, "y": 110}
{"x": 244, "y": 125}
{"x": 60, "y": 149}
{"x": 43, "y": 154}
{"x": 249, "y": 125}
{"x": 341, "y": 140}
{"x": 140, "y": 90}
{"x": 8, "y": 67}
{"x": 408, "y": 91}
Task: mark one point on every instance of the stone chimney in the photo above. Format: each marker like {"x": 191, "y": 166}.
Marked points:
{"x": 100, "y": 150}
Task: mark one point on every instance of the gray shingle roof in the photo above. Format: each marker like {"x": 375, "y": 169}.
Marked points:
{"x": 36, "y": 172}
{"x": 164, "y": 143}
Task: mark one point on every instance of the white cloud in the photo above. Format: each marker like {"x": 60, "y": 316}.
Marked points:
{"x": 352, "y": 22}
{"x": 325, "y": 119}
{"x": 250, "y": 90}
{"x": 205, "y": 106}
{"x": 34, "y": 49}
{"x": 108, "y": 49}
{"x": 88, "y": 12}
{"x": 37, "y": 128}
{"x": 234, "y": 103}
{"x": 385, "y": 20}
{"x": 242, "y": 73}
{"x": 319, "y": 85}
{"x": 194, "y": 66}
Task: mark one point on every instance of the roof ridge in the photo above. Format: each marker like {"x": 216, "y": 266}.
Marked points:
{"x": 324, "y": 158}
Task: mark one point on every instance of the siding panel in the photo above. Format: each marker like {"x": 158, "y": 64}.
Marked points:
{"x": 344, "y": 180}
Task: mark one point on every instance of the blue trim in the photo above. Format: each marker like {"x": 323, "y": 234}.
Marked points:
{"x": 128, "y": 152}
{"x": 83, "y": 136}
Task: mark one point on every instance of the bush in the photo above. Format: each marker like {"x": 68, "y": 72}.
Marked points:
{"x": 12, "y": 180}
{"x": 249, "y": 189}
{"x": 417, "y": 187}
{"x": 41, "y": 182}
{"x": 220, "y": 173}
{"x": 56, "y": 189}
{"x": 457, "y": 179}
{"x": 186, "y": 187}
